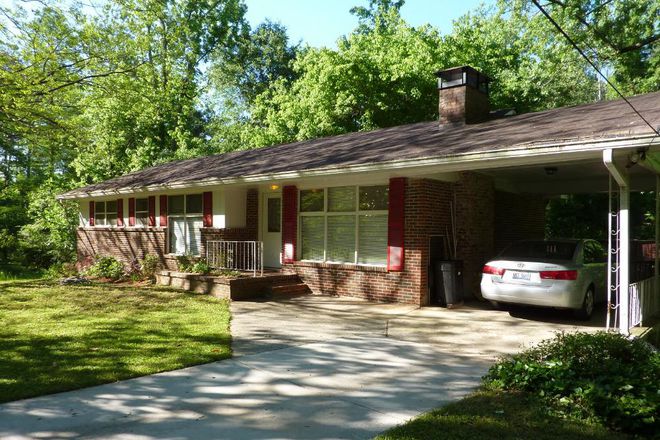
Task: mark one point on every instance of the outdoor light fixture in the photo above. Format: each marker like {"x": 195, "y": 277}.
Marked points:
{"x": 274, "y": 187}
{"x": 550, "y": 171}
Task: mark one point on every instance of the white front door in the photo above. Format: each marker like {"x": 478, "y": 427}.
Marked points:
{"x": 271, "y": 229}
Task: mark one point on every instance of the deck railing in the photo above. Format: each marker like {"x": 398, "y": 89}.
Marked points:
{"x": 244, "y": 256}
{"x": 644, "y": 301}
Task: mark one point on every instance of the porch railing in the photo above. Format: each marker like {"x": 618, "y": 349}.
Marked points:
{"x": 244, "y": 256}
{"x": 644, "y": 301}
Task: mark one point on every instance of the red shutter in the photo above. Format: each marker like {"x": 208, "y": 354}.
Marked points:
{"x": 289, "y": 222}
{"x": 208, "y": 209}
{"x": 152, "y": 210}
{"x": 131, "y": 211}
{"x": 395, "y": 225}
{"x": 120, "y": 212}
{"x": 91, "y": 213}
{"x": 163, "y": 211}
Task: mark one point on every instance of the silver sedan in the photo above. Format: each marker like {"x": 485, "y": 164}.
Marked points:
{"x": 567, "y": 274}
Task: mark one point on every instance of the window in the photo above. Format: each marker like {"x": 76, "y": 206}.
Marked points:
{"x": 345, "y": 224}
{"x": 185, "y": 221}
{"x": 142, "y": 212}
{"x": 105, "y": 213}
{"x": 274, "y": 214}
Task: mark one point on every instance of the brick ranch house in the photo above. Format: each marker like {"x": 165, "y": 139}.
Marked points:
{"x": 363, "y": 214}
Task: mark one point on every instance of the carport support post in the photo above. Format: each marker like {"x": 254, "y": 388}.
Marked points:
{"x": 623, "y": 267}
{"x": 656, "y": 266}
{"x": 624, "y": 249}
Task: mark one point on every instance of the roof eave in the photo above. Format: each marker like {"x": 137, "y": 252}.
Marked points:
{"x": 516, "y": 156}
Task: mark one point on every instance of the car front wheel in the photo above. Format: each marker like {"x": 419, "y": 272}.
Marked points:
{"x": 587, "y": 308}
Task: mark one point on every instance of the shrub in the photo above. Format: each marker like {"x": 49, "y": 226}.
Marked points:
{"x": 107, "y": 267}
{"x": 201, "y": 266}
{"x": 601, "y": 376}
{"x": 59, "y": 270}
{"x": 184, "y": 263}
{"x": 149, "y": 265}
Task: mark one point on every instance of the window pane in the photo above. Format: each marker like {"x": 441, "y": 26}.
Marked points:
{"x": 99, "y": 219}
{"x": 99, "y": 207}
{"x": 194, "y": 235}
{"x": 372, "y": 240}
{"x": 311, "y": 235}
{"x": 274, "y": 214}
{"x": 175, "y": 205}
{"x": 341, "y": 199}
{"x": 177, "y": 236}
{"x": 141, "y": 205}
{"x": 111, "y": 207}
{"x": 374, "y": 198}
{"x": 311, "y": 200}
{"x": 194, "y": 204}
{"x": 142, "y": 219}
{"x": 341, "y": 238}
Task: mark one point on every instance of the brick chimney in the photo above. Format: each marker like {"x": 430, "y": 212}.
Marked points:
{"x": 463, "y": 95}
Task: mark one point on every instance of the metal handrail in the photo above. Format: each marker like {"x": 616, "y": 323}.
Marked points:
{"x": 246, "y": 256}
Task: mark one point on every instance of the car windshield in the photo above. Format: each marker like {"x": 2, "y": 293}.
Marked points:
{"x": 540, "y": 250}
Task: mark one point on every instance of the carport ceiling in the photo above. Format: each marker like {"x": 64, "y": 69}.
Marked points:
{"x": 587, "y": 176}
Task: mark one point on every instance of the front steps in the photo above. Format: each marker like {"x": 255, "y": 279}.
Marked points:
{"x": 289, "y": 286}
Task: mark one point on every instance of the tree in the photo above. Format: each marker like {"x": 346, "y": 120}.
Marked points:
{"x": 380, "y": 75}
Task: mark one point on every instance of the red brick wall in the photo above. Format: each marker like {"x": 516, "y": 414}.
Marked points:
{"x": 463, "y": 105}
{"x": 426, "y": 213}
{"x": 126, "y": 244}
{"x": 518, "y": 217}
{"x": 475, "y": 223}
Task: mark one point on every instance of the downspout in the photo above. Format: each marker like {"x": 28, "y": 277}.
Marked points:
{"x": 621, "y": 179}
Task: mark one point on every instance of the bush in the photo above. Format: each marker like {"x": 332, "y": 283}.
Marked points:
{"x": 107, "y": 267}
{"x": 59, "y": 270}
{"x": 184, "y": 263}
{"x": 201, "y": 266}
{"x": 188, "y": 263}
{"x": 149, "y": 265}
{"x": 598, "y": 376}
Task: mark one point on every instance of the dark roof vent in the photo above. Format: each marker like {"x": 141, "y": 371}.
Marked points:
{"x": 463, "y": 95}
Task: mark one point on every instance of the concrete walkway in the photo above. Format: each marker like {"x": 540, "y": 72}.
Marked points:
{"x": 306, "y": 368}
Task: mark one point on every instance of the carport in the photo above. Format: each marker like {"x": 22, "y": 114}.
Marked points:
{"x": 625, "y": 166}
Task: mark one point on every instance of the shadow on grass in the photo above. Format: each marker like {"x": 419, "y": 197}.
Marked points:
{"x": 57, "y": 338}
{"x": 496, "y": 415}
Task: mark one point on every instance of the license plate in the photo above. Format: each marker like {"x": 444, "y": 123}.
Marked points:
{"x": 524, "y": 276}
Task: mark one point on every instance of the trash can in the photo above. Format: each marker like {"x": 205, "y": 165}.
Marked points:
{"x": 448, "y": 283}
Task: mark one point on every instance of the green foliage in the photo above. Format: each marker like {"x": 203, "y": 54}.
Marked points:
{"x": 50, "y": 236}
{"x": 191, "y": 264}
{"x": 185, "y": 263}
{"x": 201, "y": 266}
{"x": 59, "y": 270}
{"x": 585, "y": 216}
{"x": 107, "y": 267}
{"x": 149, "y": 265}
{"x": 602, "y": 376}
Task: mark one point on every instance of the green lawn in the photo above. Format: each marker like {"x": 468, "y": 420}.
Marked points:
{"x": 496, "y": 415}
{"x": 16, "y": 272}
{"x": 56, "y": 338}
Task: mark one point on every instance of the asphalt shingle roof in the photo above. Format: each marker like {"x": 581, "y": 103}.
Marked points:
{"x": 597, "y": 121}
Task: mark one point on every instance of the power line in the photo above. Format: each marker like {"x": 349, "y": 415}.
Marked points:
{"x": 570, "y": 40}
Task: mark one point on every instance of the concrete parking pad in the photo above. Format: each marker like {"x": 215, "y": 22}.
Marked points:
{"x": 305, "y": 368}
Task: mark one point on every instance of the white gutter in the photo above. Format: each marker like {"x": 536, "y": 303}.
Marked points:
{"x": 519, "y": 156}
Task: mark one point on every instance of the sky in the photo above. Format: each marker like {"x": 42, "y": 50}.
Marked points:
{"x": 321, "y": 23}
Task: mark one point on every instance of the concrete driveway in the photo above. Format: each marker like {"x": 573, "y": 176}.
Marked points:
{"x": 304, "y": 368}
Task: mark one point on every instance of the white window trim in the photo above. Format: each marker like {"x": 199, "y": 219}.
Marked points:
{"x": 137, "y": 221}
{"x": 325, "y": 214}
{"x": 106, "y": 223}
{"x": 185, "y": 217}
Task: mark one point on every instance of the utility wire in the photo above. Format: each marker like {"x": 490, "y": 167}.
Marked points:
{"x": 570, "y": 40}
